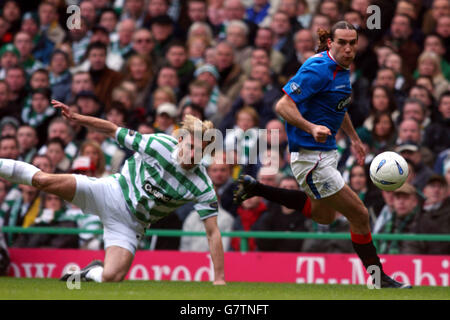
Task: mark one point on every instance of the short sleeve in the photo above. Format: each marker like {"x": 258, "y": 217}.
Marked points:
{"x": 306, "y": 83}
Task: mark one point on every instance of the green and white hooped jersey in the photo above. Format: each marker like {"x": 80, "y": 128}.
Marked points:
{"x": 154, "y": 184}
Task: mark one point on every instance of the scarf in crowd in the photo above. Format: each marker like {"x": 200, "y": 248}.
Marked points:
{"x": 395, "y": 226}
{"x": 33, "y": 118}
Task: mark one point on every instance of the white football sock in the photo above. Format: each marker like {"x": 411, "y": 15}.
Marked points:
{"x": 95, "y": 274}
{"x": 17, "y": 171}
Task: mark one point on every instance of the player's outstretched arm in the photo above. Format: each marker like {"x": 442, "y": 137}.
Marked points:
{"x": 216, "y": 249}
{"x": 100, "y": 125}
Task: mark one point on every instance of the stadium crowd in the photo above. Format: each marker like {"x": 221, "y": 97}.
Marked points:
{"x": 145, "y": 64}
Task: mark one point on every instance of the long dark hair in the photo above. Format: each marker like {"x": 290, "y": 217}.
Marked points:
{"x": 324, "y": 35}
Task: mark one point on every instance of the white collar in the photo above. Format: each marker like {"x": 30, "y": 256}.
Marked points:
{"x": 332, "y": 58}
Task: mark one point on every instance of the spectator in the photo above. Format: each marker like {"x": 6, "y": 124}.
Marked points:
{"x": 271, "y": 90}
{"x": 230, "y": 73}
{"x": 200, "y": 244}
{"x": 55, "y": 151}
{"x": 162, "y": 28}
{"x": 28, "y": 142}
{"x": 249, "y": 215}
{"x": 235, "y": 10}
{"x": 303, "y": 44}
{"x": 81, "y": 81}
{"x": 9, "y": 126}
{"x": 359, "y": 182}
{"x": 16, "y": 78}
{"x": 168, "y": 77}
{"x": 279, "y": 218}
{"x": 40, "y": 113}
{"x": 251, "y": 95}
{"x": 139, "y": 71}
{"x": 209, "y": 74}
{"x": 265, "y": 40}
{"x": 245, "y": 136}
{"x": 104, "y": 78}
{"x": 51, "y": 214}
{"x": 60, "y": 128}
{"x": 291, "y": 7}
{"x": 386, "y": 77}
{"x": 436, "y": 135}
{"x": 108, "y": 19}
{"x": 407, "y": 206}
{"x": 6, "y": 108}
{"x": 439, "y": 8}
{"x": 9, "y": 147}
{"x": 48, "y": 22}
{"x": 24, "y": 43}
{"x": 381, "y": 101}
{"x": 9, "y": 57}
{"x": 93, "y": 151}
{"x": 237, "y": 35}
{"x": 410, "y": 151}
{"x": 79, "y": 38}
{"x": 143, "y": 44}
{"x": 385, "y": 214}
{"x": 165, "y": 120}
{"x": 177, "y": 58}
{"x": 281, "y": 27}
{"x": 60, "y": 77}
{"x": 429, "y": 64}
{"x": 435, "y": 43}
{"x": 383, "y": 133}
{"x": 12, "y": 13}
{"x": 433, "y": 219}
{"x": 42, "y": 46}
{"x": 400, "y": 38}
{"x": 134, "y": 10}
{"x": 114, "y": 60}
{"x": 443, "y": 29}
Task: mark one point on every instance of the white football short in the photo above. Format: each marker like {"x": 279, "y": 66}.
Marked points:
{"x": 316, "y": 172}
{"x": 103, "y": 197}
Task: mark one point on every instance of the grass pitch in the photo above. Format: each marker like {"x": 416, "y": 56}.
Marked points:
{"x": 52, "y": 289}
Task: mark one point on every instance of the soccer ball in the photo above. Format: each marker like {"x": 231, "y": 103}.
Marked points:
{"x": 388, "y": 171}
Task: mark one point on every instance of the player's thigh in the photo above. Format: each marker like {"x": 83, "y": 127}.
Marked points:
{"x": 348, "y": 203}
{"x": 61, "y": 185}
{"x": 117, "y": 262}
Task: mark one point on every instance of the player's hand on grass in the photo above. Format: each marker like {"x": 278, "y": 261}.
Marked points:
{"x": 65, "y": 110}
{"x": 320, "y": 133}
{"x": 219, "y": 283}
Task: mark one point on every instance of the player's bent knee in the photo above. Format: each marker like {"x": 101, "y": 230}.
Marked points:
{"x": 112, "y": 277}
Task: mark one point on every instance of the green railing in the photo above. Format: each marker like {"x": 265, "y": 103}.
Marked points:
{"x": 244, "y": 235}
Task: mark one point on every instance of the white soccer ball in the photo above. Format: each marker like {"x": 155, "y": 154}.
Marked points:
{"x": 388, "y": 171}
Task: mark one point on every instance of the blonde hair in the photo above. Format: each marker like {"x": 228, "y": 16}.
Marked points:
{"x": 428, "y": 55}
{"x": 193, "y": 125}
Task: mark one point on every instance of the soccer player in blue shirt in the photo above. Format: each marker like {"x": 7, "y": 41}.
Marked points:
{"x": 315, "y": 107}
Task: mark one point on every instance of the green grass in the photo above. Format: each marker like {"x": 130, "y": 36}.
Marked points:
{"x": 49, "y": 289}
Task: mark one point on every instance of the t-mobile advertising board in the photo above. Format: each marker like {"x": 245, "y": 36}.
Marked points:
{"x": 243, "y": 267}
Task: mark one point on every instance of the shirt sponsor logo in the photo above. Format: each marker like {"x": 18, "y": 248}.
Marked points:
{"x": 151, "y": 190}
{"x": 343, "y": 103}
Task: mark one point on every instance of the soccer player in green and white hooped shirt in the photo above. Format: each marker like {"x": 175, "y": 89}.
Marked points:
{"x": 161, "y": 176}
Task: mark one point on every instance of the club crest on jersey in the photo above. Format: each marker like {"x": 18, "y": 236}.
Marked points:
{"x": 343, "y": 103}
{"x": 181, "y": 190}
{"x": 151, "y": 190}
{"x": 295, "y": 88}
{"x": 131, "y": 132}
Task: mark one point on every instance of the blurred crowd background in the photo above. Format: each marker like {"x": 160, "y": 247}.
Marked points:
{"x": 145, "y": 64}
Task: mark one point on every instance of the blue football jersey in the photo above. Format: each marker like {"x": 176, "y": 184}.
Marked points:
{"x": 321, "y": 90}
